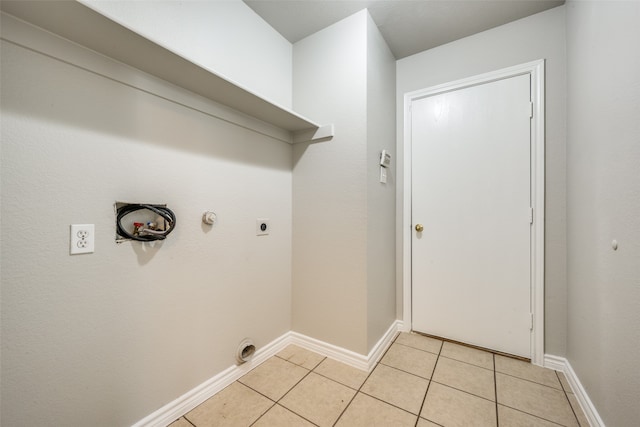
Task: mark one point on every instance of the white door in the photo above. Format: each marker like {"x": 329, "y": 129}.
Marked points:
{"x": 471, "y": 194}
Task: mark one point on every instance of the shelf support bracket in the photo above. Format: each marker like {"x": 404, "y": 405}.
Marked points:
{"x": 322, "y": 133}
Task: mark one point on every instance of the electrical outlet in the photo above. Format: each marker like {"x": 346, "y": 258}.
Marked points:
{"x": 263, "y": 227}
{"x": 82, "y": 239}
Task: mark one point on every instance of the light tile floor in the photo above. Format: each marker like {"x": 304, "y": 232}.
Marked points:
{"x": 420, "y": 381}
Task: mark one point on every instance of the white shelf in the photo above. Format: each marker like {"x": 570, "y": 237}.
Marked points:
{"x": 82, "y": 25}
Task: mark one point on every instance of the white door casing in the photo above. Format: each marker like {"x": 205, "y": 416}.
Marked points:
{"x": 534, "y": 71}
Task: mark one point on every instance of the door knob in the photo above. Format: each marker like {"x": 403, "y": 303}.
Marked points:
{"x": 419, "y": 228}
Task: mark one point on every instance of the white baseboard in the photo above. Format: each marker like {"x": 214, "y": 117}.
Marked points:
{"x": 329, "y": 350}
{"x": 194, "y": 397}
{"x": 185, "y": 403}
{"x": 348, "y": 357}
{"x": 383, "y": 344}
{"x": 562, "y": 364}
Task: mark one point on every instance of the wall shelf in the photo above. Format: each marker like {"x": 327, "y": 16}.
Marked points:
{"x": 82, "y": 25}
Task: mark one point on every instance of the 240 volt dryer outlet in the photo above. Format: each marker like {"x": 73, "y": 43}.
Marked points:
{"x": 263, "y": 226}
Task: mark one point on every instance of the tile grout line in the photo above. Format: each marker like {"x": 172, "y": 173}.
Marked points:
{"x": 294, "y": 386}
{"x": 359, "y": 389}
{"x": 495, "y": 387}
{"x": 365, "y": 380}
{"x": 462, "y": 391}
{"x": 261, "y": 394}
{"x": 253, "y": 389}
{"x": 406, "y": 372}
{"x": 415, "y": 348}
{"x": 567, "y": 397}
{"x": 336, "y": 381}
{"x": 424, "y": 399}
{"x": 187, "y": 419}
{"x": 263, "y": 414}
{"x": 286, "y": 409}
{"x": 387, "y": 403}
{"x": 469, "y": 363}
{"x": 533, "y": 415}
{"x": 202, "y": 403}
{"x": 561, "y": 385}
{"x": 276, "y": 402}
{"x": 531, "y": 381}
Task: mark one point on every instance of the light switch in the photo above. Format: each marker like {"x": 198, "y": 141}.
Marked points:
{"x": 383, "y": 174}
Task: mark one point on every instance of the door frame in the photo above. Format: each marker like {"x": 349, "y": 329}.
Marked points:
{"x": 536, "y": 70}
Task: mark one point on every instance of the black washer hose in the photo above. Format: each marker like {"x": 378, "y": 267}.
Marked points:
{"x": 164, "y": 212}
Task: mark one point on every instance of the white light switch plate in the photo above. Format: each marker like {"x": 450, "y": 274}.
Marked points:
{"x": 383, "y": 175}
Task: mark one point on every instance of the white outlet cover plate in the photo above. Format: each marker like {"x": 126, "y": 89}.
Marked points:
{"x": 259, "y": 226}
{"x": 82, "y": 239}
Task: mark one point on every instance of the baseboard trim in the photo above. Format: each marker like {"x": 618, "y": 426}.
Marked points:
{"x": 383, "y": 344}
{"x": 194, "y": 397}
{"x": 185, "y": 403}
{"x": 562, "y": 364}
{"x": 348, "y": 357}
{"x": 329, "y": 350}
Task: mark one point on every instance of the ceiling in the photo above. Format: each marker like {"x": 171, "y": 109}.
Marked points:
{"x": 408, "y": 26}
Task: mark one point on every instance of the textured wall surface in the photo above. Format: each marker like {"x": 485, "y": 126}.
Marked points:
{"x": 381, "y": 198}
{"x": 329, "y": 186}
{"x": 107, "y": 338}
{"x": 344, "y": 219}
{"x": 227, "y": 37}
{"x": 540, "y": 36}
{"x": 603, "y": 187}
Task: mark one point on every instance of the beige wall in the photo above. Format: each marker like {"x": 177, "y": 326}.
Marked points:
{"x": 343, "y": 276}
{"x": 603, "y": 188}
{"x": 227, "y": 37}
{"x": 381, "y": 215}
{"x": 541, "y": 36}
{"x": 110, "y": 337}
{"x": 107, "y": 338}
{"x": 329, "y": 187}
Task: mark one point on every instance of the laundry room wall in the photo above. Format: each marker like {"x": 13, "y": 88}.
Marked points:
{"x": 226, "y": 37}
{"x": 541, "y": 36}
{"x": 603, "y": 154}
{"x": 107, "y": 338}
{"x": 343, "y": 248}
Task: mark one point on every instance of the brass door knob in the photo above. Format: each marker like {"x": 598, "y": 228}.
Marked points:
{"x": 419, "y": 228}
